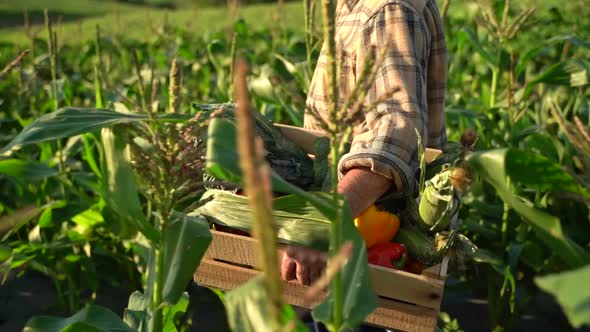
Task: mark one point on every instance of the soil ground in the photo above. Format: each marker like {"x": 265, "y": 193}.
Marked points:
{"x": 33, "y": 294}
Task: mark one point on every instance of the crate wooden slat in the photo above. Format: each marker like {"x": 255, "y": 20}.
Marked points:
{"x": 408, "y": 302}
{"x": 419, "y": 289}
{"x": 390, "y": 313}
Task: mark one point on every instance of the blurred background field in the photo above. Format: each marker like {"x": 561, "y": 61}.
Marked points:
{"x": 138, "y": 19}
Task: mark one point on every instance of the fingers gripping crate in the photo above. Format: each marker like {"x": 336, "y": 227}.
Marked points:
{"x": 407, "y": 301}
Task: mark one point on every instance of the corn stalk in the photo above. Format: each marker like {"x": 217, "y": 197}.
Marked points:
{"x": 258, "y": 189}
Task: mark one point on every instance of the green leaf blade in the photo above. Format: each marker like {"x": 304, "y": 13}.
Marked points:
{"x": 72, "y": 121}
{"x": 491, "y": 166}
{"x": 120, "y": 190}
{"x": 92, "y": 318}
{"x": 572, "y": 292}
{"x": 185, "y": 243}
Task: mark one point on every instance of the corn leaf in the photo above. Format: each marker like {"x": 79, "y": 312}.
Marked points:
{"x": 358, "y": 298}
{"x": 71, "y": 121}
{"x": 185, "y": 242}
{"x": 491, "y": 167}
{"x": 120, "y": 190}
{"x": 546, "y": 45}
{"x": 92, "y": 318}
{"x": 572, "y": 293}
{"x": 568, "y": 73}
{"x": 26, "y": 170}
{"x": 467, "y": 35}
{"x": 537, "y": 172}
{"x": 247, "y": 309}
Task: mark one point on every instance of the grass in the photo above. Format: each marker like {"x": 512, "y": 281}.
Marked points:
{"x": 136, "y": 22}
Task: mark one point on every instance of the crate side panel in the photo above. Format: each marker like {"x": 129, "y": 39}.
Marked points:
{"x": 407, "y": 287}
{"x": 390, "y": 313}
{"x": 233, "y": 248}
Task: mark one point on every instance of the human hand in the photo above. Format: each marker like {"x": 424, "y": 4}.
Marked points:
{"x": 302, "y": 264}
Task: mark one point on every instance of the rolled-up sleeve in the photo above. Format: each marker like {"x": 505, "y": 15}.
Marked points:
{"x": 388, "y": 143}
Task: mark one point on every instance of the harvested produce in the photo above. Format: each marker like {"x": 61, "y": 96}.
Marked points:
{"x": 376, "y": 226}
{"x": 296, "y": 220}
{"x": 420, "y": 245}
{"x": 285, "y": 158}
{"x": 438, "y": 203}
{"x": 415, "y": 221}
{"x": 390, "y": 255}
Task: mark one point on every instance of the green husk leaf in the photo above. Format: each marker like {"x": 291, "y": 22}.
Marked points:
{"x": 296, "y": 220}
{"x": 434, "y": 203}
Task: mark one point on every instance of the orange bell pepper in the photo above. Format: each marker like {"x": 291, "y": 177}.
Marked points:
{"x": 377, "y": 226}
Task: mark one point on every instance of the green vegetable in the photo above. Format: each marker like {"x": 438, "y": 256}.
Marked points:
{"x": 296, "y": 220}
{"x": 420, "y": 246}
{"x": 286, "y": 159}
{"x": 438, "y": 203}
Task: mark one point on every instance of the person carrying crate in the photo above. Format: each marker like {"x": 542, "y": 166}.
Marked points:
{"x": 384, "y": 152}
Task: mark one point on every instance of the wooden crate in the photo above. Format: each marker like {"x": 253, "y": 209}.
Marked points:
{"x": 407, "y": 302}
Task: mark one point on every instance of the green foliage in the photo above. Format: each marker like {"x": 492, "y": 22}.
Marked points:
{"x": 491, "y": 166}
{"x": 25, "y": 170}
{"x": 92, "y": 318}
{"x": 71, "y": 121}
{"x": 120, "y": 190}
{"x": 187, "y": 238}
{"x": 247, "y": 311}
{"x": 571, "y": 292}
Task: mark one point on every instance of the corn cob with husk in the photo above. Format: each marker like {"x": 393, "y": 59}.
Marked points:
{"x": 429, "y": 218}
{"x": 296, "y": 221}
{"x": 439, "y": 203}
{"x": 285, "y": 158}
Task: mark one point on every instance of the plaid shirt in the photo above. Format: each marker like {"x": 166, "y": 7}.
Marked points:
{"x": 415, "y": 66}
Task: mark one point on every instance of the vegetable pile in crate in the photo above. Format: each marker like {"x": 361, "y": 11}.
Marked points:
{"x": 408, "y": 232}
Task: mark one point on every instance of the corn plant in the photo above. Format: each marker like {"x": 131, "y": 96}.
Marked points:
{"x": 174, "y": 242}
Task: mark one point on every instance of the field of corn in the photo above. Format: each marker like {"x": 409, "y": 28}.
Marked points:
{"x": 117, "y": 139}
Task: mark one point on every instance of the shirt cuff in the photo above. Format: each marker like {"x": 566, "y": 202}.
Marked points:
{"x": 380, "y": 162}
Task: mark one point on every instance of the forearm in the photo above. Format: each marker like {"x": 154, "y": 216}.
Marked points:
{"x": 362, "y": 187}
